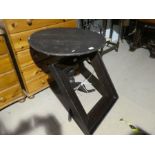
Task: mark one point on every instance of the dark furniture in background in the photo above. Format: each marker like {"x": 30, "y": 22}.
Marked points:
{"x": 69, "y": 49}
{"x": 140, "y": 33}
{"x": 101, "y": 26}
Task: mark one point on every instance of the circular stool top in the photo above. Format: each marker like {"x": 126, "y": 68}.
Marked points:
{"x": 66, "y": 41}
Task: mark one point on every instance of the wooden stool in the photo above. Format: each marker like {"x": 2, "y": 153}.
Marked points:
{"x": 70, "y": 47}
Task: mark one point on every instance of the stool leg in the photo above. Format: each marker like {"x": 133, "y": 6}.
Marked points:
{"x": 93, "y": 80}
{"x": 102, "y": 107}
{"x": 70, "y": 99}
{"x": 87, "y": 122}
{"x": 103, "y": 75}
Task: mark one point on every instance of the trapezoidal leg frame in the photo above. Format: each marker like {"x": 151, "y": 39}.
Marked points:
{"x": 87, "y": 122}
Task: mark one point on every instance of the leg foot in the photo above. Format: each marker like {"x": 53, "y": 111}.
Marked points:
{"x": 31, "y": 97}
{"x": 22, "y": 100}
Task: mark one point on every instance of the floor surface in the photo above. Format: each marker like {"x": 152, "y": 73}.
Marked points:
{"x": 133, "y": 75}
